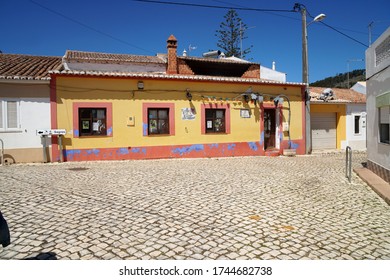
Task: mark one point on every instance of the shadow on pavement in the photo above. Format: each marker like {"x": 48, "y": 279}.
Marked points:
{"x": 43, "y": 256}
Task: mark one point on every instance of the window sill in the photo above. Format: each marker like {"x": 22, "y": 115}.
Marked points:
{"x": 385, "y": 144}
{"x": 216, "y": 133}
{"x": 94, "y": 136}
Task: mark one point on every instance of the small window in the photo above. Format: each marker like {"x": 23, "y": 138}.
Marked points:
{"x": 357, "y": 124}
{"x": 92, "y": 121}
{"x": 215, "y": 121}
{"x": 9, "y": 115}
{"x": 158, "y": 121}
{"x": 384, "y": 124}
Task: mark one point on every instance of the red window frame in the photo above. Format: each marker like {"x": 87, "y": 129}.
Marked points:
{"x": 92, "y": 105}
{"x": 226, "y": 107}
{"x": 145, "y": 117}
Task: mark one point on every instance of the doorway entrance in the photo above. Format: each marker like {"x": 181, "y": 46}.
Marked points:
{"x": 269, "y": 129}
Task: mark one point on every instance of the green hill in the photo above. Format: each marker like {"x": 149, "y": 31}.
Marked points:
{"x": 341, "y": 80}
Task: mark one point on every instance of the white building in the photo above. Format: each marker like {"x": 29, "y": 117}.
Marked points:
{"x": 272, "y": 74}
{"x": 356, "y": 127}
{"x": 24, "y": 106}
{"x": 360, "y": 87}
{"x": 378, "y": 106}
{"x": 338, "y": 118}
{"x": 265, "y": 72}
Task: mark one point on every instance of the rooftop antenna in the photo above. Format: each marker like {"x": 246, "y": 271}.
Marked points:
{"x": 369, "y": 32}
{"x": 242, "y": 34}
{"x": 191, "y": 48}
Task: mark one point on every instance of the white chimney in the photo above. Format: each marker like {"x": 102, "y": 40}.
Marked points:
{"x": 273, "y": 65}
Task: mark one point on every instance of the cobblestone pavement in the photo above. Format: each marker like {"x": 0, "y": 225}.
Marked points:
{"x": 229, "y": 208}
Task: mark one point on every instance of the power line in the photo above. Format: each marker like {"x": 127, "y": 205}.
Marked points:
{"x": 89, "y": 27}
{"x": 297, "y": 7}
{"x": 334, "y": 28}
{"x": 270, "y": 13}
{"x": 342, "y": 33}
{"x": 212, "y": 6}
{"x": 245, "y": 9}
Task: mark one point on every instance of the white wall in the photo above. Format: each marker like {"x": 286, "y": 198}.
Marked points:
{"x": 359, "y": 87}
{"x": 34, "y": 114}
{"x": 270, "y": 74}
{"x": 356, "y": 141}
{"x": 378, "y": 82}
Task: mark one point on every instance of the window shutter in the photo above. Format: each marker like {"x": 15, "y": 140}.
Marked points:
{"x": 12, "y": 114}
{"x": 385, "y": 115}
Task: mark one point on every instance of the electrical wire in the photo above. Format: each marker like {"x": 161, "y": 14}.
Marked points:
{"x": 342, "y": 33}
{"x": 201, "y": 93}
{"x": 212, "y": 6}
{"x": 299, "y": 6}
{"x": 295, "y": 9}
{"x": 270, "y": 13}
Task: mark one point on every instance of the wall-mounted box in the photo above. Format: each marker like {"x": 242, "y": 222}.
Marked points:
{"x": 130, "y": 120}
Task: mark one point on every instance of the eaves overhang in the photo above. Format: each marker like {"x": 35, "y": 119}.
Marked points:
{"x": 163, "y": 76}
{"x": 24, "y": 80}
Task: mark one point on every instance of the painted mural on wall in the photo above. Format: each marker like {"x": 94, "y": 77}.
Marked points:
{"x": 188, "y": 114}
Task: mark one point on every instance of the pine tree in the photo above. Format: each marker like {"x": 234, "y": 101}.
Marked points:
{"x": 230, "y": 34}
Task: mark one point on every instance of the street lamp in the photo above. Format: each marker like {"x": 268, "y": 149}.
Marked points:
{"x": 320, "y": 17}
{"x": 305, "y": 62}
{"x": 305, "y": 70}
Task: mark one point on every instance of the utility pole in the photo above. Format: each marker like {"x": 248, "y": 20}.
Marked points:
{"x": 305, "y": 78}
{"x": 305, "y": 71}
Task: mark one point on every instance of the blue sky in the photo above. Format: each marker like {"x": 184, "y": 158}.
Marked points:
{"x": 49, "y": 27}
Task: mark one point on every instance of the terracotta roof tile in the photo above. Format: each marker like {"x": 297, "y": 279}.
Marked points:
{"x": 97, "y": 57}
{"x": 340, "y": 95}
{"x": 28, "y": 67}
{"x": 172, "y": 77}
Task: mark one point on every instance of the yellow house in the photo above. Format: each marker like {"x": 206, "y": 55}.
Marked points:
{"x": 166, "y": 106}
{"x": 338, "y": 118}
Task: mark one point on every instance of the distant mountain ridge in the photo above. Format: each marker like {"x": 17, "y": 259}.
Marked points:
{"x": 341, "y": 80}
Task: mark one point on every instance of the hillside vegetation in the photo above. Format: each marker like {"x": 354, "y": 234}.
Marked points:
{"x": 341, "y": 80}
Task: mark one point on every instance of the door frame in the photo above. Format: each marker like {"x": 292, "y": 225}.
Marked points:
{"x": 278, "y": 123}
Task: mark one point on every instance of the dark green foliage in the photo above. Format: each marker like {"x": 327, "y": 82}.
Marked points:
{"x": 341, "y": 80}
{"x": 229, "y": 35}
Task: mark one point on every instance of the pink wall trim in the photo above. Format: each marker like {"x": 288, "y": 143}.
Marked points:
{"x": 55, "y": 154}
{"x": 77, "y": 105}
{"x": 215, "y": 106}
{"x": 170, "y": 106}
